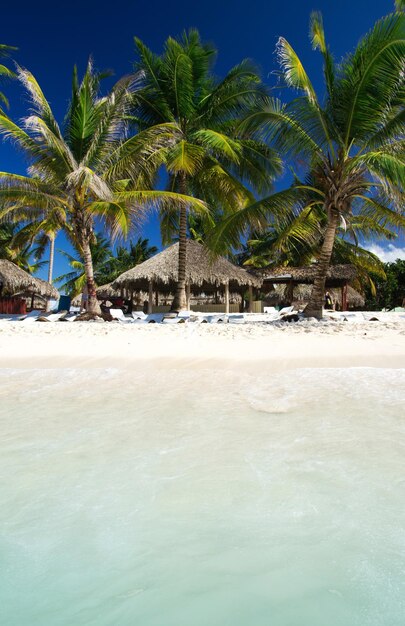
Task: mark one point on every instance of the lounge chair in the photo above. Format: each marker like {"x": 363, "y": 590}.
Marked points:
{"x": 51, "y": 317}
{"x": 31, "y": 317}
{"x": 286, "y": 310}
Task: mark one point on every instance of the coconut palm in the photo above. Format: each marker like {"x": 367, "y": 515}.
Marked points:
{"x": 22, "y": 254}
{"x": 74, "y": 281}
{"x": 5, "y": 73}
{"x": 353, "y": 142}
{"x": 208, "y": 159}
{"x": 125, "y": 258}
{"x": 89, "y": 168}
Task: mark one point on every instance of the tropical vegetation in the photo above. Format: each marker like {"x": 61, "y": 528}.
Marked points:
{"x": 218, "y": 145}
{"x": 208, "y": 158}
{"x": 88, "y": 171}
{"x": 352, "y": 141}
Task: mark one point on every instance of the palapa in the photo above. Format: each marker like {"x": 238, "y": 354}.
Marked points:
{"x": 336, "y": 273}
{"x": 203, "y": 272}
{"x": 301, "y": 293}
{"x": 15, "y": 281}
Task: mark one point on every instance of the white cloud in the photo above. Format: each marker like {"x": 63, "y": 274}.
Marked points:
{"x": 389, "y": 253}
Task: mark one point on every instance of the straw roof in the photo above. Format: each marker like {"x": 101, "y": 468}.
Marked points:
{"x": 307, "y": 274}
{"x": 17, "y": 281}
{"x": 301, "y": 295}
{"x": 107, "y": 291}
{"x": 202, "y": 271}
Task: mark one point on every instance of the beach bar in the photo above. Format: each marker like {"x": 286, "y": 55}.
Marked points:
{"x": 204, "y": 274}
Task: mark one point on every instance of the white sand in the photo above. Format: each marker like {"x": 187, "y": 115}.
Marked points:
{"x": 253, "y": 346}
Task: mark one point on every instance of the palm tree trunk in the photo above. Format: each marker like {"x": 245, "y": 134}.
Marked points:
{"x": 180, "y": 299}
{"x": 50, "y": 266}
{"x": 93, "y": 306}
{"x": 316, "y": 299}
{"x": 51, "y": 257}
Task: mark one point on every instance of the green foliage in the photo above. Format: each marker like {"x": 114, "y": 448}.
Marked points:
{"x": 216, "y": 163}
{"x": 18, "y": 249}
{"x": 389, "y": 290}
{"x": 5, "y": 73}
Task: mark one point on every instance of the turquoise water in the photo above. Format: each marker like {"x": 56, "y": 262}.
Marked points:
{"x": 187, "y": 497}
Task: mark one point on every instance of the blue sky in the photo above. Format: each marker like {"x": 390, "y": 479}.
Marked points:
{"x": 53, "y": 36}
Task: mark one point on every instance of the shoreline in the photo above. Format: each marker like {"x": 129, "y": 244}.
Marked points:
{"x": 257, "y": 348}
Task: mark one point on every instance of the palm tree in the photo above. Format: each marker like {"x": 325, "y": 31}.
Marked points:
{"x": 353, "y": 142}
{"x": 74, "y": 281}
{"x": 5, "y": 73}
{"x": 125, "y": 258}
{"x": 89, "y": 169}
{"x": 22, "y": 254}
{"x": 208, "y": 159}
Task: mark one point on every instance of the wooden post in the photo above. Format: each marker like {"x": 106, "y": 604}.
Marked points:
{"x": 250, "y": 309}
{"x": 150, "y": 301}
{"x": 226, "y": 297}
{"x": 344, "y": 297}
{"x": 188, "y": 293}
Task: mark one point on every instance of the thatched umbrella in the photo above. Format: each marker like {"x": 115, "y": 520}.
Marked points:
{"x": 306, "y": 275}
{"x": 104, "y": 292}
{"x": 280, "y": 293}
{"x": 203, "y": 274}
{"x": 14, "y": 280}
{"x": 337, "y": 276}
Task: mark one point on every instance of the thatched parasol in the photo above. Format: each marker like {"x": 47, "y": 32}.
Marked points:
{"x": 107, "y": 291}
{"x": 301, "y": 294}
{"x": 15, "y": 281}
{"x": 306, "y": 275}
{"x": 202, "y": 272}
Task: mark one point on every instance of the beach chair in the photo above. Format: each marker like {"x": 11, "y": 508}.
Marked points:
{"x": 31, "y": 317}
{"x": 236, "y": 319}
{"x": 51, "y": 317}
{"x": 286, "y": 310}
{"x": 70, "y": 317}
{"x": 139, "y": 315}
{"x": 118, "y": 314}
{"x": 154, "y": 318}
{"x": 217, "y": 319}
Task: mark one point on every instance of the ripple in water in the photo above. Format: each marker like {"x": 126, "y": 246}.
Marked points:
{"x": 188, "y": 498}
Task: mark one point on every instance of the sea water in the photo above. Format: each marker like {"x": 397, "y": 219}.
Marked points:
{"x": 191, "y": 497}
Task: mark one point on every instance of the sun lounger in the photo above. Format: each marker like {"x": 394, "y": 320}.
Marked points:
{"x": 154, "y": 318}
{"x": 217, "y": 319}
{"x": 12, "y": 317}
{"x": 70, "y": 317}
{"x": 236, "y": 319}
{"x": 51, "y": 317}
{"x": 286, "y": 310}
{"x": 139, "y": 315}
{"x": 31, "y": 317}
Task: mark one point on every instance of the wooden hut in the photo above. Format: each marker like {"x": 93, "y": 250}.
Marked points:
{"x": 338, "y": 277}
{"x": 16, "y": 284}
{"x": 203, "y": 274}
{"x": 354, "y": 299}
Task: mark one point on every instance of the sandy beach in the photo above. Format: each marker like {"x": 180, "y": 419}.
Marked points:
{"x": 273, "y": 346}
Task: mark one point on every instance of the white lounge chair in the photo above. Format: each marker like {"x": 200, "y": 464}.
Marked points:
{"x": 31, "y": 317}
{"x": 51, "y": 317}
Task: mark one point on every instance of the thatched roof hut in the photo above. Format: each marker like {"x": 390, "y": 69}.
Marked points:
{"x": 14, "y": 280}
{"x": 338, "y": 274}
{"x": 203, "y": 273}
{"x": 301, "y": 293}
{"x": 107, "y": 291}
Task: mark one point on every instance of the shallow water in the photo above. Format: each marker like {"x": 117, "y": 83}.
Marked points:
{"x": 196, "y": 498}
